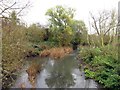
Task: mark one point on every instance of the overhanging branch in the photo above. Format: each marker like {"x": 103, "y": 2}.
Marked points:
{"x": 7, "y": 8}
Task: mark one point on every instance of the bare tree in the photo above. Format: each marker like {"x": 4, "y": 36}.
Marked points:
{"x": 105, "y": 23}
{"x": 7, "y": 6}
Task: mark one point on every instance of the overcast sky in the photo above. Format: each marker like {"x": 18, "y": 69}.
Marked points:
{"x": 36, "y": 13}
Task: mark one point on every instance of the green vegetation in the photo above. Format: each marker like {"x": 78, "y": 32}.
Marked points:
{"x": 101, "y": 56}
{"x": 20, "y": 42}
{"x": 102, "y": 64}
{"x": 99, "y": 52}
{"x": 63, "y": 28}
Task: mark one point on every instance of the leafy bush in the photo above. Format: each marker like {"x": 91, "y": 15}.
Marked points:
{"x": 89, "y": 74}
{"x": 103, "y": 65}
{"x": 88, "y": 54}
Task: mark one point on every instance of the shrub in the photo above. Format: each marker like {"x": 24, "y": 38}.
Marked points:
{"x": 88, "y": 54}
{"x": 89, "y": 74}
{"x": 103, "y": 65}
{"x": 35, "y": 34}
{"x": 13, "y": 48}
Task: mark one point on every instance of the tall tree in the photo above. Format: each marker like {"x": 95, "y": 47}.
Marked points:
{"x": 105, "y": 24}
{"x": 80, "y": 32}
{"x": 60, "y": 19}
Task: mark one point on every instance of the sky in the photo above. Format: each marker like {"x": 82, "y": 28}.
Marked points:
{"x": 36, "y": 13}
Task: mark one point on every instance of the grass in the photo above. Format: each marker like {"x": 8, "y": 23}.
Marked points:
{"x": 56, "y": 53}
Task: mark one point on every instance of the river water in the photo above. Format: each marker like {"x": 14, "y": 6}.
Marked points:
{"x": 62, "y": 73}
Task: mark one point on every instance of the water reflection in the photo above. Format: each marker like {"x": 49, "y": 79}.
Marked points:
{"x": 60, "y": 74}
{"x": 63, "y": 73}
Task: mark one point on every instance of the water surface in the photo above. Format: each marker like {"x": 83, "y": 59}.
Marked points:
{"x": 61, "y": 73}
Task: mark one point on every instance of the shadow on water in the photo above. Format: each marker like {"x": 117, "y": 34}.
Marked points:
{"x": 63, "y": 73}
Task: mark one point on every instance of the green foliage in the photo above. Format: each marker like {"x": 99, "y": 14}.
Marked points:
{"x": 60, "y": 16}
{"x": 108, "y": 78}
{"x": 80, "y": 32}
{"x": 19, "y": 41}
{"x": 95, "y": 40}
{"x": 35, "y": 33}
{"x": 60, "y": 19}
{"x": 103, "y": 65}
{"x": 13, "y": 18}
{"x": 63, "y": 27}
{"x": 89, "y": 74}
{"x": 88, "y": 54}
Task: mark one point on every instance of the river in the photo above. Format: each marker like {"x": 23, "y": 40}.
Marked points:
{"x": 63, "y": 73}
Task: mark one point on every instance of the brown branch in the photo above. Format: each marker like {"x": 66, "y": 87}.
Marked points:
{"x": 108, "y": 30}
{"x": 27, "y": 5}
{"x": 95, "y": 23}
{"x": 7, "y": 8}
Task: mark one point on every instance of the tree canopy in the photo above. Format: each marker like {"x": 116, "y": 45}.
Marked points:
{"x": 63, "y": 25}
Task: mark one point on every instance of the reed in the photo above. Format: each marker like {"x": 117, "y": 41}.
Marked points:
{"x": 56, "y": 53}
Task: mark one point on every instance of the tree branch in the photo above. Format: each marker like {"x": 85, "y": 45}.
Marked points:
{"x": 95, "y": 23}
{"x": 27, "y": 5}
{"x": 7, "y": 8}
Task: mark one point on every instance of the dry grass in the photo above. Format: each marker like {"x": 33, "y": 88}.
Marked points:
{"x": 45, "y": 53}
{"x": 56, "y": 52}
{"x": 32, "y": 71}
{"x": 68, "y": 50}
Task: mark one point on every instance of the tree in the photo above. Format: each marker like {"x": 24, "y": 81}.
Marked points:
{"x": 13, "y": 18}
{"x": 64, "y": 28}
{"x": 35, "y": 33}
{"x": 60, "y": 16}
{"x": 6, "y": 7}
{"x": 80, "y": 32}
{"x": 60, "y": 20}
{"x": 105, "y": 24}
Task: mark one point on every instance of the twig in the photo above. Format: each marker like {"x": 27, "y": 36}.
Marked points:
{"x": 7, "y": 8}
